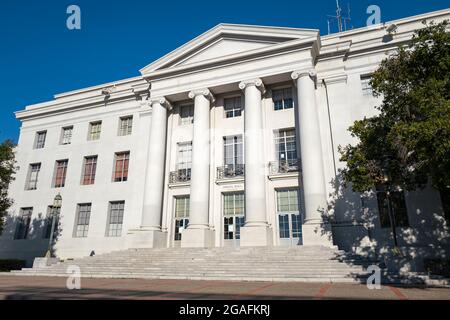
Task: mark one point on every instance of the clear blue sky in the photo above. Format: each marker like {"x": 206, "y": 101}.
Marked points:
{"x": 40, "y": 57}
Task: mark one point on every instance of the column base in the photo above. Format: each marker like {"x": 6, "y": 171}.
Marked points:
{"x": 197, "y": 238}
{"x": 256, "y": 236}
{"x": 44, "y": 262}
{"x": 317, "y": 234}
{"x": 141, "y": 239}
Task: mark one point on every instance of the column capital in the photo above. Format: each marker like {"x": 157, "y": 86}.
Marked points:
{"x": 258, "y": 83}
{"x": 312, "y": 73}
{"x": 202, "y": 92}
{"x": 162, "y": 101}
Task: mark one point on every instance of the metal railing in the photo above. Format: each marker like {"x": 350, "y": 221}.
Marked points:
{"x": 180, "y": 176}
{"x": 230, "y": 171}
{"x": 280, "y": 167}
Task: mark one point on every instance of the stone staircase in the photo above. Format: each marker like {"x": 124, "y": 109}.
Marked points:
{"x": 301, "y": 264}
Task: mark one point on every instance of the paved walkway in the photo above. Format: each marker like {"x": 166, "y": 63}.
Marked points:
{"x": 13, "y": 287}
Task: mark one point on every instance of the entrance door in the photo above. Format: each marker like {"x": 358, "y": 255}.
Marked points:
{"x": 290, "y": 229}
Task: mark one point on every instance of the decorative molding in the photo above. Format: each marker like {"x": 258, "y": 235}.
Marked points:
{"x": 202, "y": 92}
{"x": 162, "y": 101}
{"x": 258, "y": 83}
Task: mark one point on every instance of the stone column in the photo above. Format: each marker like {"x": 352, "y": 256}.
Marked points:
{"x": 198, "y": 233}
{"x": 316, "y": 231}
{"x": 149, "y": 235}
{"x": 256, "y": 231}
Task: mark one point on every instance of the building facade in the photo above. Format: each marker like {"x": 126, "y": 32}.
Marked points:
{"x": 230, "y": 140}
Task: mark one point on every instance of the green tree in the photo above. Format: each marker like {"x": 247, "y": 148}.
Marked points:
{"x": 7, "y": 170}
{"x": 409, "y": 140}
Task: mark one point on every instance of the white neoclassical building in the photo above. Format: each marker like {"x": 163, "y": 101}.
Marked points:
{"x": 230, "y": 140}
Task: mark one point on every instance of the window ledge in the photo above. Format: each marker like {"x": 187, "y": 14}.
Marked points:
{"x": 230, "y": 180}
{"x": 179, "y": 185}
{"x": 283, "y": 176}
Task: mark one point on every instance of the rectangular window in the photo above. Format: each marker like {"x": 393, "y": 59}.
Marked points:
{"x": 60, "y": 173}
{"x": 287, "y": 201}
{"x": 89, "y": 169}
{"x": 186, "y": 115}
{"x": 366, "y": 86}
{"x": 66, "y": 135}
{"x": 115, "y": 219}
{"x": 182, "y": 204}
{"x": 392, "y": 207}
{"x": 49, "y": 222}
{"x": 126, "y": 126}
{"x": 184, "y": 160}
{"x": 233, "y": 107}
{"x": 286, "y": 147}
{"x": 23, "y": 224}
{"x": 234, "y": 215}
{"x": 32, "y": 178}
{"x": 121, "y": 161}
{"x": 282, "y": 99}
{"x": 40, "y": 140}
{"x": 233, "y": 153}
{"x": 82, "y": 220}
{"x": 95, "y": 129}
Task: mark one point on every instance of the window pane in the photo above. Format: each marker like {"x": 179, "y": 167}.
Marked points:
{"x": 82, "y": 220}
{"x": 283, "y": 225}
{"x": 186, "y": 114}
{"x": 90, "y": 167}
{"x": 115, "y": 219}
{"x": 121, "y": 166}
{"x": 40, "y": 139}
{"x": 282, "y": 99}
{"x": 60, "y": 174}
{"x": 126, "y": 126}
{"x": 95, "y": 129}
{"x": 233, "y": 107}
{"x": 366, "y": 86}
{"x": 33, "y": 175}
{"x": 67, "y": 135}
{"x": 234, "y": 214}
{"x": 296, "y": 226}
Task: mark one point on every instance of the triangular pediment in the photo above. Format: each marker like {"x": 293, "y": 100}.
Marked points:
{"x": 227, "y": 40}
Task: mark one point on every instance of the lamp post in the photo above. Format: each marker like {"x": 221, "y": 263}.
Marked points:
{"x": 55, "y": 210}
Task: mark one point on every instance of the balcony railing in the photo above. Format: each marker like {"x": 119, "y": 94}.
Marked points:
{"x": 230, "y": 171}
{"x": 282, "y": 167}
{"x": 180, "y": 176}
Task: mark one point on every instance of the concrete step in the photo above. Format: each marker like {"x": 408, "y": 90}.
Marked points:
{"x": 253, "y": 264}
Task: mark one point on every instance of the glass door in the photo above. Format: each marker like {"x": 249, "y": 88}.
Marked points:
{"x": 290, "y": 229}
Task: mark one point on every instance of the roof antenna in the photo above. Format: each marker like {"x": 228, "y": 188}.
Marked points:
{"x": 339, "y": 19}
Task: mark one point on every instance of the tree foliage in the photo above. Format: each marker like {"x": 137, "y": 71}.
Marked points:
{"x": 409, "y": 140}
{"x": 7, "y": 170}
